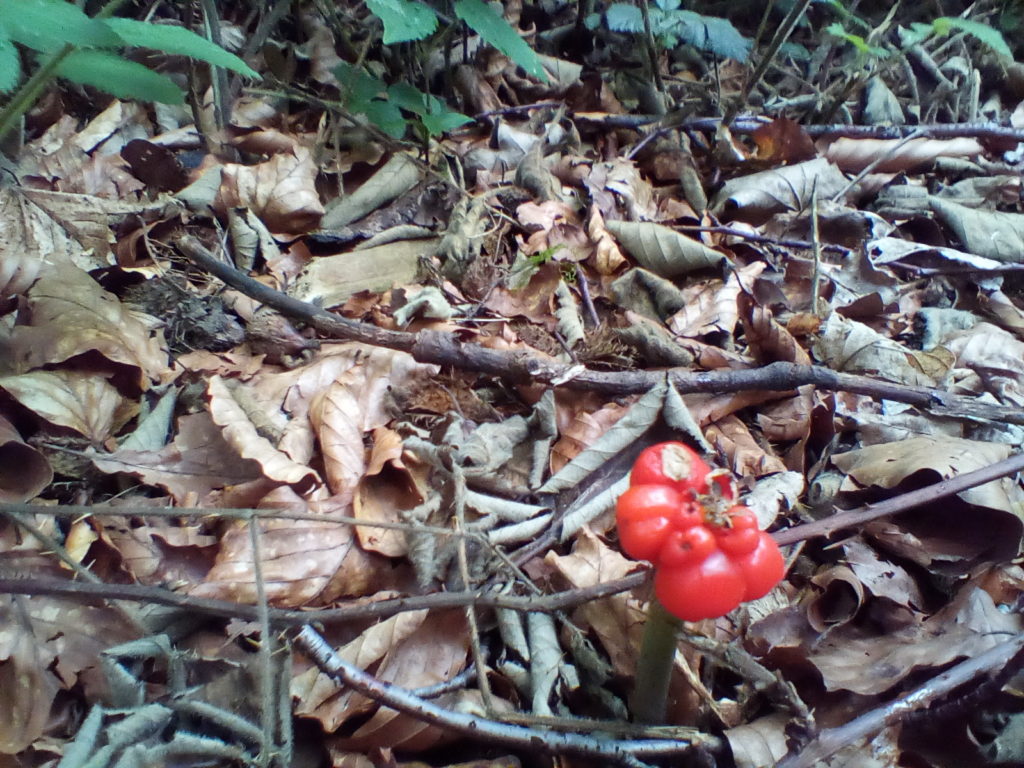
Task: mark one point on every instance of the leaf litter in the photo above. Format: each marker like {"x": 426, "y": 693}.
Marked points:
{"x": 527, "y": 267}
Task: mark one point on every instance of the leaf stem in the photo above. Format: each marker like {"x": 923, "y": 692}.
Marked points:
{"x": 654, "y": 668}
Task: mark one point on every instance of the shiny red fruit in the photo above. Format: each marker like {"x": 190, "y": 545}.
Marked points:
{"x": 707, "y": 590}
{"x": 673, "y": 464}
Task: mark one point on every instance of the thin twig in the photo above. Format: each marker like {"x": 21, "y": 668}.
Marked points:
{"x": 903, "y": 502}
{"x": 267, "y": 678}
{"x": 519, "y": 366}
{"x": 832, "y": 740}
{"x": 377, "y": 609}
{"x": 489, "y": 730}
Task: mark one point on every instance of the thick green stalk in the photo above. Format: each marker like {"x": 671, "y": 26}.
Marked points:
{"x": 654, "y": 667}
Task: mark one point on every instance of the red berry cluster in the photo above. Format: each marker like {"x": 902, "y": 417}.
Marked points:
{"x": 706, "y": 561}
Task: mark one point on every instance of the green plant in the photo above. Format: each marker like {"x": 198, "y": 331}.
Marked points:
{"x": 410, "y": 20}
{"x": 407, "y": 20}
{"x": 917, "y": 33}
{"x": 671, "y": 25}
{"x": 382, "y": 104}
{"x": 943, "y": 25}
{"x": 83, "y": 49}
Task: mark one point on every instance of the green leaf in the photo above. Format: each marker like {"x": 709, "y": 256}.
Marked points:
{"x": 439, "y": 120}
{"x": 408, "y": 97}
{"x": 624, "y": 17}
{"x": 387, "y": 117}
{"x": 856, "y": 41}
{"x": 46, "y": 25}
{"x": 403, "y": 20}
{"x": 714, "y": 34}
{"x": 993, "y": 38}
{"x": 497, "y": 32}
{"x": 172, "y": 39}
{"x": 120, "y": 77}
{"x": 10, "y": 63}
{"x": 360, "y": 87}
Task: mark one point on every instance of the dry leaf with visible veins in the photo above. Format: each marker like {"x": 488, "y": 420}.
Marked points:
{"x": 70, "y": 314}
{"x": 281, "y": 191}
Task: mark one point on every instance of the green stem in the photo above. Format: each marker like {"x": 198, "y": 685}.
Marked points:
{"x": 654, "y": 668}
{"x": 33, "y": 88}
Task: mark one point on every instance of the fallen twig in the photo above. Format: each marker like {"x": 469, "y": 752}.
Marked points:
{"x": 522, "y": 366}
{"x": 828, "y": 742}
{"x": 901, "y": 503}
{"x": 625, "y": 751}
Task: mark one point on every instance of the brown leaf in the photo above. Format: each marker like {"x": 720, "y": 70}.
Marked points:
{"x": 192, "y": 466}
{"x": 24, "y": 471}
{"x": 48, "y": 644}
{"x": 432, "y": 654}
{"x": 617, "y": 621}
{"x": 304, "y": 562}
{"x": 84, "y": 402}
{"x": 71, "y": 315}
{"x": 849, "y": 658}
{"x": 281, "y": 191}
{"x": 243, "y": 435}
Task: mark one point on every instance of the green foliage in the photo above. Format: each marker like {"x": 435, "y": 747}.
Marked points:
{"x": 47, "y": 26}
{"x": 943, "y": 25}
{"x": 403, "y": 20}
{"x": 118, "y": 77}
{"x": 495, "y": 31}
{"x": 383, "y": 104}
{"x": 858, "y": 42}
{"x": 178, "y": 40}
{"x": 410, "y": 20}
{"x": 406, "y": 20}
{"x": 10, "y": 66}
{"x": 671, "y": 25}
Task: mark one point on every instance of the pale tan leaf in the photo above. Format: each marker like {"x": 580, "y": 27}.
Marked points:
{"x": 281, "y": 191}
{"x": 888, "y": 464}
{"x": 304, "y": 562}
{"x": 996, "y": 358}
{"x": 661, "y": 250}
{"x": 71, "y": 314}
{"x": 581, "y": 421}
{"x": 617, "y": 621}
{"x": 607, "y": 257}
{"x": 321, "y": 697}
{"x": 759, "y": 744}
{"x": 756, "y": 197}
{"x": 356, "y": 402}
{"x": 241, "y": 434}
{"x": 854, "y": 155}
{"x": 847, "y": 345}
{"x": 732, "y": 438}
{"x": 86, "y": 403}
{"x": 435, "y": 652}
{"x": 329, "y": 281}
